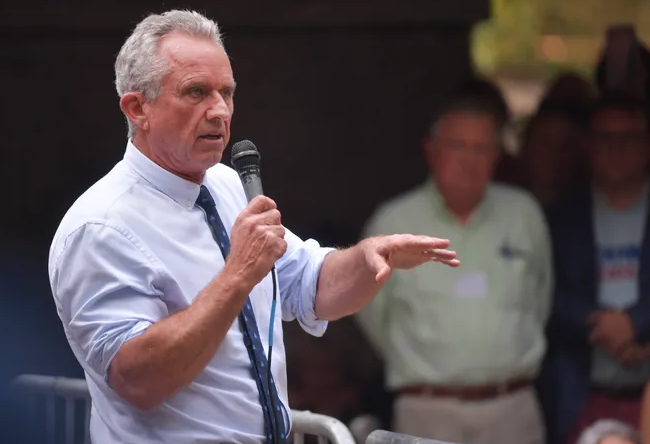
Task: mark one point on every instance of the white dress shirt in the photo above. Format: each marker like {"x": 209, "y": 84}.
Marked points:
{"x": 134, "y": 249}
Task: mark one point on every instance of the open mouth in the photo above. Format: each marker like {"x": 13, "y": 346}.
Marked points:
{"x": 212, "y": 137}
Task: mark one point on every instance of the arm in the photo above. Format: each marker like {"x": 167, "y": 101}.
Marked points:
{"x": 171, "y": 353}
{"x": 346, "y": 283}
{"x": 349, "y": 279}
{"x": 372, "y": 319}
{"x": 110, "y": 293}
{"x": 335, "y": 280}
{"x": 569, "y": 312}
{"x": 568, "y": 320}
{"x": 638, "y": 350}
{"x": 300, "y": 277}
{"x": 640, "y": 316}
{"x": 307, "y": 269}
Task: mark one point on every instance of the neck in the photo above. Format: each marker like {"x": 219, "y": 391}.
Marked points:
{"x": 621, "y": 196}
{"x": 463, "y": 213}
{"x": 143, "y": 146}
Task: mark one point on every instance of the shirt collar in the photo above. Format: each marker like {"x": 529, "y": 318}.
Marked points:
{"x": 440, "y": 207}
{"x": 640, "y": 200}
{"x": 181, "y": 190}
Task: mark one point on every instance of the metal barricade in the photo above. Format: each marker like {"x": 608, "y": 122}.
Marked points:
{"x": 325, "y": 428}
{"x": 73, "y": 395}
{"x": 43, "y": 398}
{"x": 384, "y": 437}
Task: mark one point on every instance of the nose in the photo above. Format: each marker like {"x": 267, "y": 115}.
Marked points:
{"x": 218, "y": 109}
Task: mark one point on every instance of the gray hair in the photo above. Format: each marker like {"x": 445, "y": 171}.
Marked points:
{"x": 466, "y": 104}
{"x": 604, "y": 428}
{"x": 139, "y": 67}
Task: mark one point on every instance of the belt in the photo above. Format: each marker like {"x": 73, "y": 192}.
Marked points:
{"x": 470, "y": 393}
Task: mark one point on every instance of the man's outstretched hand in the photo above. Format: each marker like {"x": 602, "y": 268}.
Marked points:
{"x": 405, "y": 251}
{"x": 349, "y": 279}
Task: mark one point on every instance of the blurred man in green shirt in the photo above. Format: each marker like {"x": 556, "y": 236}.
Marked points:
{"x": 463, "y": 347}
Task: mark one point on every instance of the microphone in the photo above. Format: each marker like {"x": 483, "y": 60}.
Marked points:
{"x": 246, "y": 160}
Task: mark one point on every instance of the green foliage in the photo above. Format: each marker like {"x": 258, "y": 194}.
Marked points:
{"x": 510, "y": 41}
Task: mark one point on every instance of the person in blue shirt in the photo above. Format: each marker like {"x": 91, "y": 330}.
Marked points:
{"x": 164, "y": 276}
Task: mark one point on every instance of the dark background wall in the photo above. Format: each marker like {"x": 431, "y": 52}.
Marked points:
{"x": 335, "y": 94}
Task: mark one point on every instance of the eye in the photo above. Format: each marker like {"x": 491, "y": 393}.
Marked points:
{"x": 227, "y": 93}
{"x": 196, "y": 92}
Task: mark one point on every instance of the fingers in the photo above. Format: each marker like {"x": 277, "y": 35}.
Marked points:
{"x": 269, "y": 217}
{"x": 439, "y": 253}
{"x": 276, "y": 230}
{"x": 279, "y": 247}
{"x": 259, "y": 204}
{"x": 255, "y": 217}
{"x": 447, "y": 257}
{"x": 632, "y": 356}
{"x": 261, "y": 220}
{"x": 268, "y": 227}
{"x": 450, "y": 262}
{"x": 407, "y": 251}
{"x": 432, "y": 247}
{"x": 380, "y": 267}
{"x": 612, "y": 345}
{"x": 424, "y": 243}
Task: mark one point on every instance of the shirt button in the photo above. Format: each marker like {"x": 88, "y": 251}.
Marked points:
{"x": 188, "y": 203}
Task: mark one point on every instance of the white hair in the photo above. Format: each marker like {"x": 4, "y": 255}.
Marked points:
{"x": 604, "y": 428}
{"x": 140, "y": 68}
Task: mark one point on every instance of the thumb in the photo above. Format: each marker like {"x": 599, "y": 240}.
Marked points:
{"x": 377, "y": 263}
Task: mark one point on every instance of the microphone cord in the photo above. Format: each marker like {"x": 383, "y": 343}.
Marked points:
{"x": 276, "y": 432}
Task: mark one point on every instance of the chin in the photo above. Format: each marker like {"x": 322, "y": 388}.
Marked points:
{"x": 212, "y": 155}
{"x": 211, "y": 160}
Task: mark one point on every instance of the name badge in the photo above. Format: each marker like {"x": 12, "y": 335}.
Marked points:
{"x": 471, "y": 285}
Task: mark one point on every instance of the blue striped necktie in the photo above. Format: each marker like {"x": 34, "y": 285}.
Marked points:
{"x": 259, "y": 364}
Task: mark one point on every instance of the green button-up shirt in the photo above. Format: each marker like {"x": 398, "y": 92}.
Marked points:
{"x": 480, "y": 323}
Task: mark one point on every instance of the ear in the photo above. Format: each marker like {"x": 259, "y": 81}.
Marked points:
{"x": 133, "y": 105}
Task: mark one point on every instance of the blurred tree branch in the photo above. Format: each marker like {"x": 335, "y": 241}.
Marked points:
{"x": 542, "y": 36}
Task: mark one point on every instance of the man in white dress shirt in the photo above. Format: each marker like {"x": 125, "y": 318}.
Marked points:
{"x": 154, "y": 314}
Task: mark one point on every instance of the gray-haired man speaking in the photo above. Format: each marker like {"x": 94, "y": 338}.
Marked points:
{"x": 162, "y": 272}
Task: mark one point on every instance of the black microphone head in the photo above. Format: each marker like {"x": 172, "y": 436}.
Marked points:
{"x": 244, "y": 154}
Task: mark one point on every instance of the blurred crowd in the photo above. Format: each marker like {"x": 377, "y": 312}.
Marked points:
{"x": 543, "y": 334}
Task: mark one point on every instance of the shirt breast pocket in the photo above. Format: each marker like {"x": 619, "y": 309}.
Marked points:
{"x": 516, "y": 276}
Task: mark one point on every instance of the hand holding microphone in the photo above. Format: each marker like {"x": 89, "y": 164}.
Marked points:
{"x": 257, "y": 237}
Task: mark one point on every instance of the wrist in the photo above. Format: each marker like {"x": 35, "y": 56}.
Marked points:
{"x": 367, "y": 245}
{"x": 232, "y": 281}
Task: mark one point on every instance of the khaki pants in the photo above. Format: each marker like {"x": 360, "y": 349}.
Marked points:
{"x": 510, "y": 419}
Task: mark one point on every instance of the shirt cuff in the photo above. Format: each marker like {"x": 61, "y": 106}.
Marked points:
{"x": 112, "y": 347}
{"x": 307, "y": 319}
